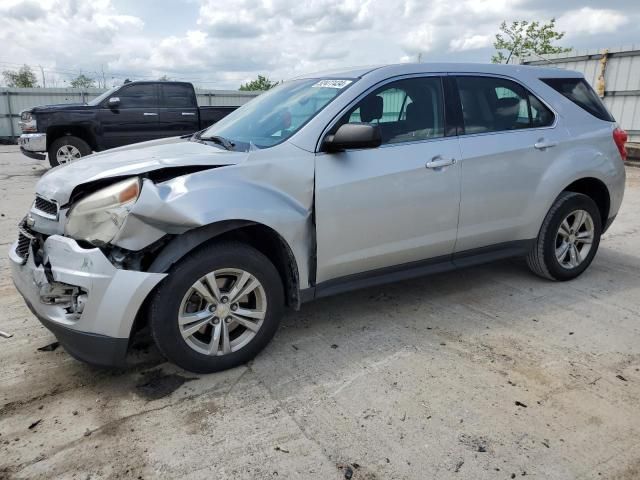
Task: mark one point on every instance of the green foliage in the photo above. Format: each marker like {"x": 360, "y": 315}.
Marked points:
{"x": 82, "y": 81}
{"x": 23, "y": 78}
{"x": 260, "y": 83}
{"x": 522, "y": 39}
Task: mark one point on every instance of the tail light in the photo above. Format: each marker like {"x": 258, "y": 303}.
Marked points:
{"x": 620, "y": 137}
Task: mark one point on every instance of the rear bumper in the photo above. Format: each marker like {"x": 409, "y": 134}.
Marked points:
{"x": 33, "y": 145}
{"x": 86, "y": 302}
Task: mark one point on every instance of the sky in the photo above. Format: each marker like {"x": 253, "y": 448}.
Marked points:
{"x": 224, "y": 43}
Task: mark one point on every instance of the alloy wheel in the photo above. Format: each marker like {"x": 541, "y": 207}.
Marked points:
{"x": 222, "y": 311}
{"x": 67, "y": 153}
{"x": 574, "y": 239}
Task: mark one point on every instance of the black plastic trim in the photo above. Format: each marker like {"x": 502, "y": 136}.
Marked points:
{"x": 420, "y": 268}
{"x": 91, "y": 348}
{"x": 34, "y": 155}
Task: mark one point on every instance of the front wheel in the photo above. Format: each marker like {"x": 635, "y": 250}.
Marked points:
{"x": 568, "y": 239}
{"x": 67, "y": 149}
{"x": 218, "y": 308}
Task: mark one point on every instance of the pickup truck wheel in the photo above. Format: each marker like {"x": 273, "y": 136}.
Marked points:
{"x": 66, "y": 149}
{"x": 568, "y": 239}
{"x": 217, "y": 308}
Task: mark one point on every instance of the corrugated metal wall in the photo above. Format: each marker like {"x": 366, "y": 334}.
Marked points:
{"x": 14, "y": 100}
{"x": 622, "y": 80}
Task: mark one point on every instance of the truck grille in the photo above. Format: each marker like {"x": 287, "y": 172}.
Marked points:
{"x": 24, "y": 243}
{"x": 50, "y": 209}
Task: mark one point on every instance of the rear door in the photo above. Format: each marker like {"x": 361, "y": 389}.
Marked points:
{"x": 134, "y": 120}
{"x": 178, "y": 114}
{"x": 395, "y": 204}
{"x": 508, "y": 145}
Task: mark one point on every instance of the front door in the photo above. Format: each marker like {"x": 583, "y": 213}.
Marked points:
{"x": 395, "y": 204}
{"x": 134, "y": 120}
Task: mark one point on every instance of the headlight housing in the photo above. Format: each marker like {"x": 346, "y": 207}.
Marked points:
{"x": 99, "y": 217}
{"x": 27, "y": 122}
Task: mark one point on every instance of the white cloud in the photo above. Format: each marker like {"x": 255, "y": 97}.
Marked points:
{"x": 226, "y": 42}
{"x": 592, "y": 21}
{"x": 471, "y": 42}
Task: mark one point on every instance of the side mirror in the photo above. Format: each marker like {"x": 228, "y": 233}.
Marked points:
{"x": 114, "y": 102}
{"x": 353, "y": 135}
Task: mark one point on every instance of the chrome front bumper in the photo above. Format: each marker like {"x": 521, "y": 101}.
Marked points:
{"x": 33, "y": 145}
{"x": 33, "y": 142}
{"x": 83, "y": 297}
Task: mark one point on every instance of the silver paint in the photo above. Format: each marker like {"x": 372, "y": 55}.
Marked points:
{"x": 372, "y": 208}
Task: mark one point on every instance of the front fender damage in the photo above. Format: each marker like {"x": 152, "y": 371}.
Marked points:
{"x": 208, "y": 203}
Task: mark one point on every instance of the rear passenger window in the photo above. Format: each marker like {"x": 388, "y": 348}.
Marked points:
{"x": 579, "y": 92}
{"x": 406, "y": 110}
{"x": 138, "y": 96}
{"x": 494, "y": 104}
{"x": 177, "y": 96}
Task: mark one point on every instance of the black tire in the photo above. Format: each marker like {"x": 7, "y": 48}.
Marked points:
{"x": 542, "y": 258}
{"x": 165, "y": 304}
{"x": 82, "y": 146}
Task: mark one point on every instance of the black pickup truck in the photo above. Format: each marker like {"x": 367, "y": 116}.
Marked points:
{"x": 131, "y": 113}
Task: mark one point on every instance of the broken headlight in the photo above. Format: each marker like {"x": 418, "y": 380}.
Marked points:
{"x": 99, "y": 217}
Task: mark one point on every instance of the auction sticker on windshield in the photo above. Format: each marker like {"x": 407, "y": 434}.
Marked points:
{"x": 331, "y": 84}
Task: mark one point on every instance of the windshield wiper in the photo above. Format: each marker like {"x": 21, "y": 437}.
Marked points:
{"x": 226, "y": 143}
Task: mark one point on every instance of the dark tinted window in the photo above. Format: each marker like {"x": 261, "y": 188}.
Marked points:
{"x": 406, "y": 111}
{"x": 177, "y": 96}
{"x": 138, "y": 96}
{"x": 580, "y": 92}
{"x": 494, "y": 104}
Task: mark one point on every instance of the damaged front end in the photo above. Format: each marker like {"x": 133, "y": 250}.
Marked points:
{"x": 90, "y": 252}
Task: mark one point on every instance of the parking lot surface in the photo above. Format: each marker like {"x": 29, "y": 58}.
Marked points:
{"x": 485, "y": 373}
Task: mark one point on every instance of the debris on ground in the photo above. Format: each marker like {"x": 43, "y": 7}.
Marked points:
{"x": 5, "y": 334}
{"x": 49, "y": 348}
{"x": 279, "y": 449}
{"x": 158, "y": 385}
{"x": 477, "y": 444}
{"x": 35, "y": 424}
{"x": 334, "y": 346}
{"x": 458, "y": 466}
{"x": 620, "y": 377}
{"x": 520, "y": 404}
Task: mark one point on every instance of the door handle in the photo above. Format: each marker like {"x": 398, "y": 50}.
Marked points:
{"x": 541, "y": 145}
{"x": 439, "y": 162}
{"x": 150, "y": 114}
{"x": 185, "y": 114}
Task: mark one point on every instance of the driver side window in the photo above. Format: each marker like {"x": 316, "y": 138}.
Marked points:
{"x": 406, "y": 110}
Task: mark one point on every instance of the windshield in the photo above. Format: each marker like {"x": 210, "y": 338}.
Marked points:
{"x": 96, "y": 101}
{"x": 277, "y": 114}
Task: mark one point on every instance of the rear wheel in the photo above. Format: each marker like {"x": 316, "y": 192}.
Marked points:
{"x": 568, "y": 239}
{"x": 67, "y": 149}
{"x": 217, "y": 308}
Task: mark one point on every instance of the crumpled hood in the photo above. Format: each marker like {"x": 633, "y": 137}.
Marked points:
{"x": 58, "y": 184}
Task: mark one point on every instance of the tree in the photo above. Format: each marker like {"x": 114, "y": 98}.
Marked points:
{"x": 164, "y": 78}
{"x": 523, "y": 38}
{"x": 23, "y": 78}
{"x": 260, "y": 83}
{"x": 82, "y": 81}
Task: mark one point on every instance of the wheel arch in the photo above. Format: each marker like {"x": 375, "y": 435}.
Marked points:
{"x": 57, "y": 131}
{"x": 596, "y": 190}
{"x": 261, "y": 237}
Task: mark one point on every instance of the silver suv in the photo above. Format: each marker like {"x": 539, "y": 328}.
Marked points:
{"x": 324, "y": 184}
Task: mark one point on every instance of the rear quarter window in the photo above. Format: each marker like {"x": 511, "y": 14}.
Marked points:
{"x": 580, "y": 92}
